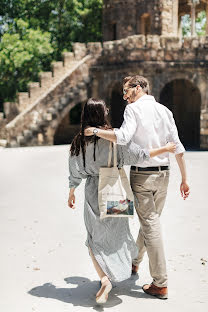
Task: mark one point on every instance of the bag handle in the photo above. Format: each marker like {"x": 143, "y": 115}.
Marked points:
{"x": 109, "y": 155}
{"x": 114, "y": 155}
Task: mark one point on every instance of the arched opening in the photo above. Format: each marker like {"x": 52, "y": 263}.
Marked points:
{"x": 184, "y": 100}
{"x": 145, "y": 24}
{"x": 117, "y": 106}
{"x": 193, "y": 18}
{"x": 69, "y": 126}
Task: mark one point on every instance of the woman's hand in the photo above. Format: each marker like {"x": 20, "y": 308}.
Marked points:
{"x": 71, "y": 199}
{"x": 170, "y": 147}
{"x": 89, "y": 131}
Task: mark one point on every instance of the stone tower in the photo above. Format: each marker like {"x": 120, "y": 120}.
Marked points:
{"x": 122, "y": 18}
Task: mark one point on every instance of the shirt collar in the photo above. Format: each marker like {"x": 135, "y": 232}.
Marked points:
{"x": 145, "y": 97}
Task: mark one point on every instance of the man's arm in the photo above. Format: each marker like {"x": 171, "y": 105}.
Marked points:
{"x": 105, "y": 134}
{"x": 121, "y": 136}
{"x": 184, "y": 187}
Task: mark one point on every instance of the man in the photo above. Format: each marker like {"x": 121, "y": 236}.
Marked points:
{"x": 150, "y": 125}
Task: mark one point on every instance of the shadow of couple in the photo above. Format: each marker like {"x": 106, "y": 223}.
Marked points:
{"x": 84, "y": 294}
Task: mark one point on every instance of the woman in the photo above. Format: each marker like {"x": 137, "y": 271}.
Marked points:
{"x": 109, "y": 240}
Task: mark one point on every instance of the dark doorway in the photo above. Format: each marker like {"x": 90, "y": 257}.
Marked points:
{"x": 69, "y": 126}
{"x": 117, "y": 106}
{"x": 184, "y": 100}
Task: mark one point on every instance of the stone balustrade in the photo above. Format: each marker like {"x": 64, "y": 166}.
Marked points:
{"x": 155, "y": 48}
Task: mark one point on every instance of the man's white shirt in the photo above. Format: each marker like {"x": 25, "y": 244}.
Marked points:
{"x": 150, "y": 125}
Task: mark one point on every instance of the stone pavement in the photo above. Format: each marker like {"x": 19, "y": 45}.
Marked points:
{"x": 45, "y": 266}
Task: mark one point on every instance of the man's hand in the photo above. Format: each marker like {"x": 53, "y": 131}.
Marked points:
{"x": 71, "y": 201}
{"x": 185, "y": 190}
{"x": 89, "y": 131}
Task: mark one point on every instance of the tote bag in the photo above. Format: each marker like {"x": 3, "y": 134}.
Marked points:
{"x": 115, "y": 196}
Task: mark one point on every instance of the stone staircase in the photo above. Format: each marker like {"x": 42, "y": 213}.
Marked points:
{"x": 34, "y": 118}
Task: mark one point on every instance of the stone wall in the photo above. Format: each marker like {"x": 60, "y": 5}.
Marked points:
{"x": 128, "y": 17}
{"x": 155, "y": 48}
{"x": 161, "y": 59}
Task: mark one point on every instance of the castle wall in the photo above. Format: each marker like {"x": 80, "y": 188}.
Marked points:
{"x": 161, "y": 59}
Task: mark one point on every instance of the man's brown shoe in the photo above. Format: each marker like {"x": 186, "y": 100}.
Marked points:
{"x": 134, "y": 269}
{"x": 153, "y": 290}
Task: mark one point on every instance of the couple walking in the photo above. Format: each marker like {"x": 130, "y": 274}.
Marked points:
{"x": 142, "y": 143}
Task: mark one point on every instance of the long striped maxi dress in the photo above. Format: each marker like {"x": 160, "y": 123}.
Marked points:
{"x": 110, "y": 239}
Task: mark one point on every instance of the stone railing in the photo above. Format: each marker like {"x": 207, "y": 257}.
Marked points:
{"x": 155, "y": 48}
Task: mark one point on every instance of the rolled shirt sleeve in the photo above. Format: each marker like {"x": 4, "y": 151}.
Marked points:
{"x": 173, "y": 137}
{"x": 125, "y": 133}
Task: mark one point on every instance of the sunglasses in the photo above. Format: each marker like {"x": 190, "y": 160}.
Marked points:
{"x": 126, "y": 90}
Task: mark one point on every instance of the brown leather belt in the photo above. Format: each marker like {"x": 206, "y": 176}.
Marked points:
{"x": 134, "y": 168}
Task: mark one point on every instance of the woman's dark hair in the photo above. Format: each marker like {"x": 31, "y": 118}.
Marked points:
{"x": 94, "y": 114}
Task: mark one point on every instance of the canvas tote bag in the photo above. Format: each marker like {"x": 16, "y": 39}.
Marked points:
{"x": 115, "y": 196}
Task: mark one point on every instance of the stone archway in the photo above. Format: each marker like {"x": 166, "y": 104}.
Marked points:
{"x": 183, "y": 98}
{"x": 117, "y": 105}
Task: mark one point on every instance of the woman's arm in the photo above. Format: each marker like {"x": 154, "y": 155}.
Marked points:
{"x": 168, "y": 148}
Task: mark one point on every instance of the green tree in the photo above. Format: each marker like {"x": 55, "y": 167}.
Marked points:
{"x": 67, "y": 20}
{"x": 33, "y": 33}
{"x": 23, "y": 55}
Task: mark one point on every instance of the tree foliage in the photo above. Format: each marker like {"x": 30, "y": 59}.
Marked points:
{"x": 33, "y": 33}
{"x": 200, "y": 24}
{"x": 67, "y": 20}
{"x": 24, "y": 52}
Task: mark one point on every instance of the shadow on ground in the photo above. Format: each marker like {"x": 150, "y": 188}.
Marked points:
{"x": 84, "y": 294}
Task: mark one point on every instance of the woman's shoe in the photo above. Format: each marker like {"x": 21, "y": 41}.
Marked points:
{"x": 102, "y": 295}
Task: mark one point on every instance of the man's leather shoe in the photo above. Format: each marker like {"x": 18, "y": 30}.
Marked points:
{"x": 134, "y": 269}
{"x": 153, "y": 290}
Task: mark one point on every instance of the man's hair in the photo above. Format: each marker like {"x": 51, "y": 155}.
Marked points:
{"x": 134, "y": 81}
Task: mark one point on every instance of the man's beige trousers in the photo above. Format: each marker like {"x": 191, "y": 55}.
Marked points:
{"x": 150, "y": 189}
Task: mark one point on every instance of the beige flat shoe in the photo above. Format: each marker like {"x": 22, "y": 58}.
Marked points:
{"x": 102, "y": 295}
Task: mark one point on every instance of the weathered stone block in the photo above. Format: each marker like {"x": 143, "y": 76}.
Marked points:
{"x": 170, "y": 43}
{"x": 58, "y": 69}
{"x": 34, "y": 90}
{"x": 34, "y": 128}
{"x": 68, "y": 58}
{"x": 20, "y": 139}
{"x": 23, "y": 100}
{"x": 94, "y": 48}
{"x": 3, "y": 143}
{"x": 27, "y": 134}
{"x": 80, "y": 50}
{"x": 13, "y": 144}
{"x": 138, "y": 41}
{"x": 46, "y": 79}
{"x": 153, "y": 42}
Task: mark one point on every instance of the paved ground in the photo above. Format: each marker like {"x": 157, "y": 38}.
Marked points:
{"x": 45, "y": 265}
